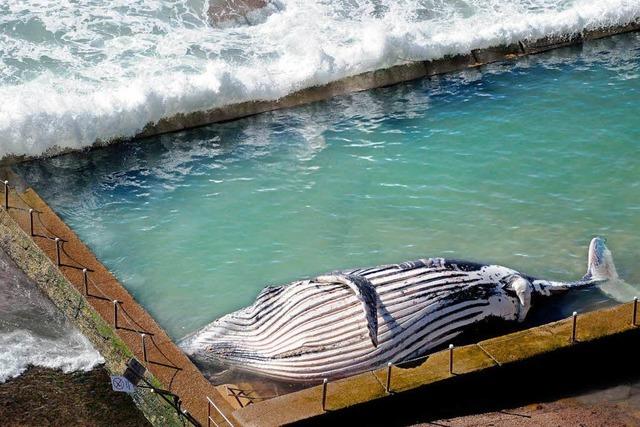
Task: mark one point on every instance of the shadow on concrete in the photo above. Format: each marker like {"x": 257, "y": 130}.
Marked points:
{"x": 561, "y": 374}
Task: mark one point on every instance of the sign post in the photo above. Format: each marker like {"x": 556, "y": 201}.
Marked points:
{"x": 120, "y": 383}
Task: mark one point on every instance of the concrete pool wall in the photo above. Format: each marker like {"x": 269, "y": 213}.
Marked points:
{"x": 30, "y": 243}
{"x": 364, "y": 81}
{"x": 380, "y": 78}
{"x": 169, "y": 369}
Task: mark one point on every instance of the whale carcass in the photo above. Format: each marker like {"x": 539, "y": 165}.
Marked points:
{"x": 351, "y": 321}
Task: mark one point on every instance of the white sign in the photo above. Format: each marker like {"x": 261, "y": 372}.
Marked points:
{"x": 122, "y": 384}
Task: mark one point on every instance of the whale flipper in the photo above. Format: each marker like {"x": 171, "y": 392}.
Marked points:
{"x": 365, "y": 292}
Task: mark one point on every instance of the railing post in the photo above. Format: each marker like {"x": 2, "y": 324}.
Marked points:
{"x": 31, "y": 221}
{"x": 208, "y": 413}
{"x": 144, "y": 348}
{"x": 388, "y": 386}
{"x": 115, "y": 313}
{"x": 573, "y": 329}
{"x": 450, "y": 359}
{"x": 6, "y": 195}
{"x": 324, "y": 394}
{"x": 85, "y": 281}
{"x": 57, "y": 240}
{"x": 635, "y": 311}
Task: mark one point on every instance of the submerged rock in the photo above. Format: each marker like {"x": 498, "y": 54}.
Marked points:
{"x": 230, "y": 13}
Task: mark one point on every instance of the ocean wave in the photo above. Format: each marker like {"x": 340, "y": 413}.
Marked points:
{"x": 20, "y": 349}
{"x": 72, "y": 76}
{"x": 34, "y": 332}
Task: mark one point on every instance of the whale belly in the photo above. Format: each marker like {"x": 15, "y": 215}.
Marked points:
{"x": 308, "y": 330}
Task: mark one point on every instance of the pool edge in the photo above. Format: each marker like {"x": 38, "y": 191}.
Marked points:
{"x": 37, "y": 257}
{"x": 514, "y": 353}
{"x": 115, "y": 338}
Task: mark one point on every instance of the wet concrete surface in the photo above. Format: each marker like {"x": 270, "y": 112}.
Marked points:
{"x": 617, "y": 405}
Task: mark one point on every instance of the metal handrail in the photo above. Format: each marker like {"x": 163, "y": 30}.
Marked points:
{"x": 211, "y": 403}
{"x": 572, "y": 340}
{"x": 86, "y": 281}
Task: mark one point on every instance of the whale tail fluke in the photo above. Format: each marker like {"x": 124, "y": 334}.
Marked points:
{"x": 600, "y": 270}
{"x": 600, "y": 262}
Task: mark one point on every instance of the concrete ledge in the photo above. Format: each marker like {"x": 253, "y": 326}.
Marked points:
{"x": 436, "y": 368}
{"x": 369, "y": 80}
{"x": 524, "y": 344}
{"x": 599, "y": 33}
{"x": 380, "y": 78}
{"x": 596, "y": 324}
{"x": 568, "y": 371}
{"x": 40, "y": 269}
{"x": 499, "y": 53}
{"x": 544, "y": 44}
{"x": 450, "y": 64}
{"x": 536, "y": 341}
{"x": 356, "y": 83}
{"x": 359, "y": 388}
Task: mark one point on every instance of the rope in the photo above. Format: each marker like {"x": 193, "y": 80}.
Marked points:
{"x": 136, "y": 327}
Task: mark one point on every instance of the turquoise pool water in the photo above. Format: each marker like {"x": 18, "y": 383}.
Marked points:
{"x": 518, "y": 164}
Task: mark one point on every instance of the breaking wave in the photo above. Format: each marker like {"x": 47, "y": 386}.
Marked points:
{"x": 70, "y": 76}
{"x": 20, "y": 349}
{"x": 34, "y": 332}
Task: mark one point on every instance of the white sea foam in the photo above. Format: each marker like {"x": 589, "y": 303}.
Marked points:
{"x": 20, "y": 349}
{"x": 33, "y": 331}
{"x": 72, "y": 75}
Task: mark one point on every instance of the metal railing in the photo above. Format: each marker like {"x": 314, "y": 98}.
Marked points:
{"x": 117, "y": 307}
{"x": 37, "y": 229}
{"x": 572, "y": 339}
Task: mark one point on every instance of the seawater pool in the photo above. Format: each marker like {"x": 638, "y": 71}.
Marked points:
{"x": 518, "y": 164}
